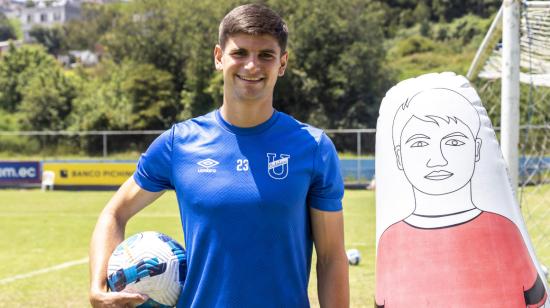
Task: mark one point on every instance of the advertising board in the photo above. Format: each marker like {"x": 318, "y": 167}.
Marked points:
{"x": 19, "y": 172}
{"x": 90, "y": 174}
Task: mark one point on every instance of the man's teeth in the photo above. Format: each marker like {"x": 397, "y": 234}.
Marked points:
{"x": 250, "y": 78}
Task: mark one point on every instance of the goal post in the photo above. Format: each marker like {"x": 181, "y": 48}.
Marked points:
{"x": 511, "y": 72}
{"x": 509, "y": 123}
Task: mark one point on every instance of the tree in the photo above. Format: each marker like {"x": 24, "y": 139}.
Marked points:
{"x": 101, "y": 103}
{"x": 152, "y": 97}
{"x": 336, "y": 76}
{"x": 17, "y": 67}
{"x": 7, "y": 31}
{"x": 47, "y": 100}
{"x": 125, "y": 96}
{"x": 177, "y": 37}
{"x": 52, "y": 38}
{"x": 95, "y": 21}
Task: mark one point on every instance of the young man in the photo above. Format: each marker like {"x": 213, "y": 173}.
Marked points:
{"x": 255, "y": 188}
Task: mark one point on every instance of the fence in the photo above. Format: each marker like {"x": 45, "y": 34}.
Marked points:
{"x": 356, "y": 147}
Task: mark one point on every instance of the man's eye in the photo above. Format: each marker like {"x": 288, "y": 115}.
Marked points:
{"x": 419, "y": 144}
{"x": 454, "y": 142}
{"x": 239, "y": 53}
{"x": 266, "y": 56}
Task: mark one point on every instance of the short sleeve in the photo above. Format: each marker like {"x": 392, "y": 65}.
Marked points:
{"x": 327, "y": 187}
{"x": 154, "y": 168}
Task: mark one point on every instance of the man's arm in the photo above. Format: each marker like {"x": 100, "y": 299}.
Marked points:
{"x": 108, "y": 233}
{"x": 332, "y": 262}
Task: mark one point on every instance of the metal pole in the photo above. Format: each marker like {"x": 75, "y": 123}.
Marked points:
{"x": 484, "y": 44}
{"x": 509, "y": 137}
{"x": 358, "y": 157}
{"x": 104, "y": 145}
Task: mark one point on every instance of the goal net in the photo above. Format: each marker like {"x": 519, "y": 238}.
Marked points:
{"x": 534, "y": 130}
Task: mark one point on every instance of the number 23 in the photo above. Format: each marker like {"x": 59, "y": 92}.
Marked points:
{"x": 242, "y": 164}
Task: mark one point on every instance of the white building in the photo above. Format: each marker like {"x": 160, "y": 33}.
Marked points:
{"x": 44, "y": 13}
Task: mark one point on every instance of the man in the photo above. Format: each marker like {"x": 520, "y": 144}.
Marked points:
{"x": 255, "y": 188}
{"x": 448, "y": 252}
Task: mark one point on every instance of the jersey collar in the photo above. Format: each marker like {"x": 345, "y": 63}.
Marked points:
{"x": 247, "y": 130}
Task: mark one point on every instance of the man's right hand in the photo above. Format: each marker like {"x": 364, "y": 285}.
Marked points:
{"x": 108, "y": 233}
{"x": 116, "y": 299}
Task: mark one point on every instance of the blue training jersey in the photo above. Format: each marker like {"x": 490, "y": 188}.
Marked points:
{"x": 244, "y": 196}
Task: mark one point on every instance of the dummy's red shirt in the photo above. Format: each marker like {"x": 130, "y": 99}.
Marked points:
{"x": 480, "y": 263}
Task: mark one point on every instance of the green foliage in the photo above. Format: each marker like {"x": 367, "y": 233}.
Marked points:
{"x": 464, "y": 29}
{"x": 47, "y": 100}
{"x": 17, "y": 28}
{"x": 412, "y": 45}
{"x": 450, "y": 47}
{"x": 8, "y": 121}
{"x": 336, "y": 76}
{"x": 101, "y": 103}
{"x": 6, "y": 29}
{"x": 52, "y": 38}
{"x": 33, "y": 84}
{"x": 158, "y": 68}
{"x": 125, "y": 96}
{"x": 153, "y": 32}
{"x": 95, "y": 21}
{"x": 408, "y": 12}
{"x": 201, "y": 90}
{"x": 151, "y": 95}
{"x": 17, "y": 67}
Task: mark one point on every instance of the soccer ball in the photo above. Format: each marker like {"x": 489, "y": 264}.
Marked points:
{"x": 354, "y": 256}
{"x": 149, "y": 263}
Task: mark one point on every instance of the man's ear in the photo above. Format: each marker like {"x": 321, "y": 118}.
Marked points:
{"x": 478, "y": 149}
{"x": 398, "y": 157}
{"x": 218, "y": 53}
{"x": 284, "y": 62}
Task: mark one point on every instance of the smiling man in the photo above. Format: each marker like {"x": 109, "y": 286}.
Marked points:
{"x": 449, "y": 253}
{"x": 256, "y": 188}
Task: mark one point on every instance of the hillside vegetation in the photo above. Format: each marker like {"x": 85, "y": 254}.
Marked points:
{"x": 156, "y": 63}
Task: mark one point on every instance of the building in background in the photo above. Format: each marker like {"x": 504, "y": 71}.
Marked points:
{"x": 41, "y": 13}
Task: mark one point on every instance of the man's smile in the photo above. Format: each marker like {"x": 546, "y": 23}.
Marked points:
{"x": 438, "y": 175}
{"x": 250, "y": 78}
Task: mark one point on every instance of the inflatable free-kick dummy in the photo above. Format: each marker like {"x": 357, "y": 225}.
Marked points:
{"x": 449, "y": 231}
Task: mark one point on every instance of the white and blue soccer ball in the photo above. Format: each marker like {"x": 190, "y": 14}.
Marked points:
{"x": 354, "y": 256}
{"x": 149, "y": 263}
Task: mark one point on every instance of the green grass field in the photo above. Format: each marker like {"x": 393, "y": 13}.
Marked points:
{"x": 42, "y": 230}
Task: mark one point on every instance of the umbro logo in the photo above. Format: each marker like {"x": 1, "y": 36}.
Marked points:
{"x": 207, "y": 165}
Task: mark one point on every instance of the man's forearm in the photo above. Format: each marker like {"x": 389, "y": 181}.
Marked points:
{"x": 333, "y": 282}
{"x": 108, "y": 233}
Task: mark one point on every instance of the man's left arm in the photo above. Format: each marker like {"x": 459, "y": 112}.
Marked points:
{"x": 332, "y": 262}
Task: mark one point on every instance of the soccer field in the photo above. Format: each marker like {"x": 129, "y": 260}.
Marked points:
{"x": 45, "y": 236}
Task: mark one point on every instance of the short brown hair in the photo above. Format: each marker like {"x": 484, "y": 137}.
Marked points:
{"x": 255, "y": 19}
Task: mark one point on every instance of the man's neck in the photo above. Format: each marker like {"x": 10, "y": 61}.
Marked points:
{"x": 246, "y": 114}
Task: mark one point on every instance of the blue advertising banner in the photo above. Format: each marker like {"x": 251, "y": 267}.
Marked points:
{"x": 19, "y": 172}
{"x": 360, "y": 170}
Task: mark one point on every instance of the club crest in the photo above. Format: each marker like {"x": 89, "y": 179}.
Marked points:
{"x": 277, "y": 168}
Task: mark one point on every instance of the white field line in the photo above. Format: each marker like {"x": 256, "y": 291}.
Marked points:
{"x": 44, "y": 271}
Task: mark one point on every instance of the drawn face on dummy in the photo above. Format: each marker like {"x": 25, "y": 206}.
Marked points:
{"x": 437, "y": 146}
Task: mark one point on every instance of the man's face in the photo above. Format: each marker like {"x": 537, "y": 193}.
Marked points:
{"x": 250, "y": 65}
{"x": 437, "y": 158}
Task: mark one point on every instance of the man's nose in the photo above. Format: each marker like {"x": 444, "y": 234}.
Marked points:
{"x": 251, "y": 64}
{"x": 436, "y": 158}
